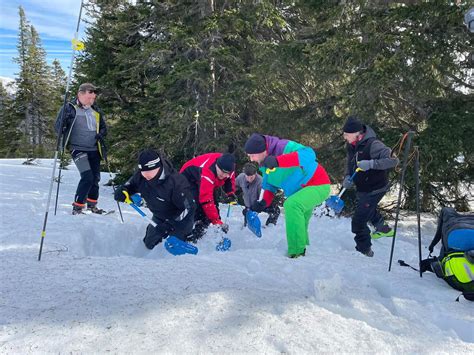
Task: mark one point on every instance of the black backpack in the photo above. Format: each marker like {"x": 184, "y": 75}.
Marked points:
{"x": 455, "y": 263}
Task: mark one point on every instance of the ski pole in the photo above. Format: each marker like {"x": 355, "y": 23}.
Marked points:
{"x": 417, "y": 177}
{"x": 110, "y": 174}
{"x": 138, "y": 209}
{"x": 59, "y": 139}
{"x": 402, "y": 181}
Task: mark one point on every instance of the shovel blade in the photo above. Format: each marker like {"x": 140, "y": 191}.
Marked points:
{"x": 335, "y": 203}
{"x": 253, "y": 223}
{"x": 176, "y": 246}
{"x": 224, "y": 244}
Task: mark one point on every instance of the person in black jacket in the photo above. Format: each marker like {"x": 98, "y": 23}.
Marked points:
{"x": 365, "y": 151}
{"x": 82, "y": 126}
{"x": 167, "y": 195}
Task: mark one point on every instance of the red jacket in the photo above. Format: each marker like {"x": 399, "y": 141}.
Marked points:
{"x": 201, "y": 171}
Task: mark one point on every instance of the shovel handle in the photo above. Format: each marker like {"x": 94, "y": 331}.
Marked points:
{"x": 138, "y": 209}
{"x": 350, "y": 179}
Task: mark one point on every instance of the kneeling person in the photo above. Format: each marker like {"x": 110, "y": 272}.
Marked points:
{"x": 251, "y": 185}
{"x": 167, "y": 194}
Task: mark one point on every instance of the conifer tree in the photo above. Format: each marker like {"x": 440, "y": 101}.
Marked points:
{"x": 33, "y": 111}
{"x": 9, "y": 134}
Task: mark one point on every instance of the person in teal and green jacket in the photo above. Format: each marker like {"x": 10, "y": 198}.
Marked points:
{"x": 293, "y": 168}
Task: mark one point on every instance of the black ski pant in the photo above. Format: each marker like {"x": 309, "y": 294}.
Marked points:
{"x": 366, "y": 211}
{"x": 200, "y": 218}
{"x": 180, "y": 229}
{"x": 88, "y": 164}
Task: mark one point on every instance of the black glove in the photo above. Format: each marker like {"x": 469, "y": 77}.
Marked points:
{"x": 165, "y": 227}
{"x": 119, "y": 195}
{"x": 259, "y": 206}
{"x": 270, "y": 162}
{"x": 224, "y": 227}
{"x": 230, "y": 198}
{"x": 99, "y": 137}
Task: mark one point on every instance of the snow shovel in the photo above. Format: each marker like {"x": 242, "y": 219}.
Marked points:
{"x": 225, "y": 243}
{"x": 334, "y": 202}
{"x": 136, "y": 208}
{"x": 253, "y": 223}
{"x": 176, "y": 246}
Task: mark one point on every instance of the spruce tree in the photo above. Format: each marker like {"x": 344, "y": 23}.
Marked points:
{"x": 35, "y": 97}
{"x": 9, "y": 134}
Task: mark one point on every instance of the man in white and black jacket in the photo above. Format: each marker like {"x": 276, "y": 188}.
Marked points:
{"x": 366, "y": 152}
{"x": 167, "y": 195}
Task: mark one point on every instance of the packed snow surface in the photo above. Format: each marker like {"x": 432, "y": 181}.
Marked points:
{"x": 97, "y": 289}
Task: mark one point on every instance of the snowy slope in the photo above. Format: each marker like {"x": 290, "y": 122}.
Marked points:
{"x": 8, "y": 84}
{"x": 97, "y": 290}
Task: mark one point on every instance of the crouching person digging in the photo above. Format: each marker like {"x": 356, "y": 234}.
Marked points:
{"x": 168, "y": 197}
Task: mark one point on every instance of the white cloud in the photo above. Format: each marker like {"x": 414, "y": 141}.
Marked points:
{"x": 55, "y": 19}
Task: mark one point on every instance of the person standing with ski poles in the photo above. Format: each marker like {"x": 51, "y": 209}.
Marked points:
{"x": 366, "y": 152}
{"x": 293, "y": 168}
{"x": 167, "y": 195}
{"x": 83, "y": 129}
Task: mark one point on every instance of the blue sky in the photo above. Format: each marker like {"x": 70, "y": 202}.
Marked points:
{"x": 55, "y": 20}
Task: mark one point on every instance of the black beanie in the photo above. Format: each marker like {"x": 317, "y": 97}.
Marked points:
{"x": 226, "y": 162}
{"x": 255, "y": 144}
{"x": 352, "y": 125}
{"x": 149, "y": 160}
{"x": 250, "y": 169}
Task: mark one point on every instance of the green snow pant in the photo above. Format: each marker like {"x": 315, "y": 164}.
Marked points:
{"x": 298, "y": 211}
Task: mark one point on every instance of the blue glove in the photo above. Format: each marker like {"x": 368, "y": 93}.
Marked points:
{"x": 347, "y": 182}
{"x": 270, "y": 162}
{"x": 365, "y": 164}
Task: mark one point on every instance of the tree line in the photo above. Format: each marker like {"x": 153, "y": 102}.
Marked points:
{"x": 189, "y": 77}
{"x": 26, "y": 118}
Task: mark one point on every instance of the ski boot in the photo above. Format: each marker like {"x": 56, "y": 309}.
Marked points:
{"x": 77, "y": 208}
{"x": 384, "y": 231}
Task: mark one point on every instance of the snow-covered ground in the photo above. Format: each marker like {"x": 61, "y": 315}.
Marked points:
{"x": 97, "y": 290}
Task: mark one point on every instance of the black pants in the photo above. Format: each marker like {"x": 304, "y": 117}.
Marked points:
{"x": 180, "y": 229}
{"x": 88, "y": 164}
{"x": 366, "y": 211}
{"x": 200, "y": 218}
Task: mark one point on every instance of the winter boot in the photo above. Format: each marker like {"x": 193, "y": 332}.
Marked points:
{"x": 92, "y": 206}
{"x": 77, "y": 208}
{"x": 369, "y": 252}
{"x": 294, "y": 256}
{"x": 384, "y": 231}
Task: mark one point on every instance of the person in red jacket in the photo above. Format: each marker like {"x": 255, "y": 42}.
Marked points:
{"x": 206, "y": 173}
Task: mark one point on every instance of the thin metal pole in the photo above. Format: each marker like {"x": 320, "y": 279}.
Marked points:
{"x": 66, "y": 96}
{"x": 58, "y": 143}
{"x": 402, "y": 181}
{"x": 113, "y": 185}
{"x": 417, "y": 177}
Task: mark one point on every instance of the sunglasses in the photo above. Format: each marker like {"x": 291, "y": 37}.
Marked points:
{"x": 92, "y": 91}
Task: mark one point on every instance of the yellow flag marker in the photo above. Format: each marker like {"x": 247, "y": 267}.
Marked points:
{"x": 77, "y": 45}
